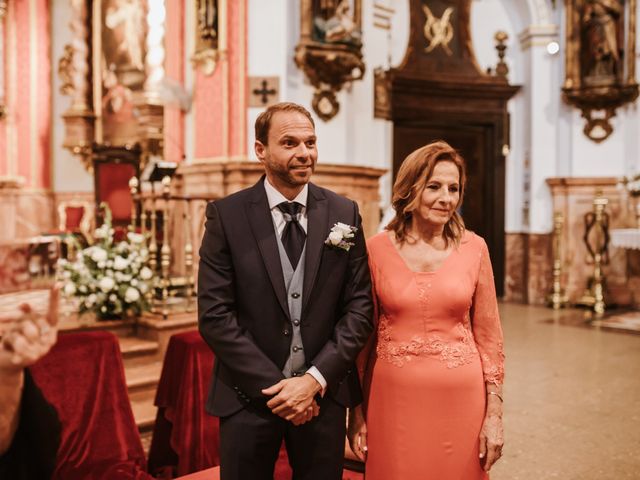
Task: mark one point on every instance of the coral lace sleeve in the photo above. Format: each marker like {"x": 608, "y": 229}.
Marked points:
{"x": 485, "y": 319}
{"x": 364, "y": 362}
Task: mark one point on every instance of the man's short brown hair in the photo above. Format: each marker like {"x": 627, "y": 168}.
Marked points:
{"x": 263, "y": 122}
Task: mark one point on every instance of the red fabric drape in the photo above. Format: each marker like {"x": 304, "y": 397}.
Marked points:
{"x": 192, "y": 434}
{"x": 185, "y": 436}
{"x": 83, "y": 378}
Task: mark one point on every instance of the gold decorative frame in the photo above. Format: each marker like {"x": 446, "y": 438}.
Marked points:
{"x": 330, "y": 49}
{"x": 210, "y": 34}
{"x": 600, "y": 60}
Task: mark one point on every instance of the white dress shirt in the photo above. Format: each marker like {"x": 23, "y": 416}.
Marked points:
{"x": 274, "y": 197}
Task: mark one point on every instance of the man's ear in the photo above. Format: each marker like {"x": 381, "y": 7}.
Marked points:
{"x": 259, "y": 148}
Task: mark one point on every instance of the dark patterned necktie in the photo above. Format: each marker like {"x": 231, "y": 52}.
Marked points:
{"x": 293, "y": 235}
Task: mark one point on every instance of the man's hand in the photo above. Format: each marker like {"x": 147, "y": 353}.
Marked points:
{"x": 293, "y": 398}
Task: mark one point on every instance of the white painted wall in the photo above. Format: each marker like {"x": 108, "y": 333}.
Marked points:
{"x": 69, "y": 175}
{"x": 546, "y": 134}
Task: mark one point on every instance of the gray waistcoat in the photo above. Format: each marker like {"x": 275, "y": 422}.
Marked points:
{"x": 293, "y": 281}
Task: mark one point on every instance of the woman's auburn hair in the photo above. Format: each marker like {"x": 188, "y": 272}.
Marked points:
{"x": 411, "y": 180}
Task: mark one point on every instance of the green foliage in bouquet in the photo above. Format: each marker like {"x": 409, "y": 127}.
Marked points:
{"x": 111, "y": 279}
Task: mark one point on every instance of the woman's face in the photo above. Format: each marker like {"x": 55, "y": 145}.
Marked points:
{"x": 441, "y": 194}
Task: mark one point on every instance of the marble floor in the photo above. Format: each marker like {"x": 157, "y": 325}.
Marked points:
{"x": 572, "y": 398}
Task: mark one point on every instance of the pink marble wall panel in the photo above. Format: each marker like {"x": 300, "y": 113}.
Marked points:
{"x": 174, "y": 70}
{"x": 28, "y": 23}
{"x": 539, "y": 267}
{"x": 42, "y": 123}
{"x": 209, "y": 114}
{"x": 515, "y": 282}
{"x": 20, "y": 111}
{"x": 237, "y": 78}
{"x": 220, "y": 101}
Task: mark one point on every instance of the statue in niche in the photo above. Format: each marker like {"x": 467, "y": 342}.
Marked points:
{"x": 125, "y": 26}
{"x": 207, "y": 19}
{"x": 333, "y": 22}
{"x": 602, "y": 36}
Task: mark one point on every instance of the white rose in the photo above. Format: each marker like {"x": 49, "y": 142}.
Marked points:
{"x": 135, "y": 237}
{"x": 91, "y": 299}
{"x": 345, "y": 229}
{"x": 146, "y": 273}
{"x": 106, "y": 284}
{"x": 120, "y": 263}
{"x": 69, "y": 288}
{"x": 143, "y": 287}
{"x": 335, "y": 238}
{"x": 112, "y": 297}
{"x": 99, "y": 255}
{"x": 131, "y": 295}
{"x": 134, "y": 282}
{"x": 66, "y": 274}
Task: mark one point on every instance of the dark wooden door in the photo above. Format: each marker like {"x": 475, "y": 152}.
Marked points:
{"x": 483, "y": 206}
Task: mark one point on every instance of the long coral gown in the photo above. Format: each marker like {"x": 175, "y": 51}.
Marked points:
{"x": 438, "y": 341}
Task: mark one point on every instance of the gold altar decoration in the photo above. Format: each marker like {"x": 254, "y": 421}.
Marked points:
{"x": 502, "y": 69}
{"x": 330, "y": 50}
{"x": 600, "y": 61}
{"x": 3, "y": 14}
{"x": 438, "y": 31}
{"x": 557, "y": 298}
{"x": 170, "y": 218}
{"x": 209, "y": 34}
{"x": 596, "y": 239}
{"x": 113, "y": 69}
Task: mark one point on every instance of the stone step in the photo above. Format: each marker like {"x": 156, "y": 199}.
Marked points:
{"x": 143, "y": 376}
{"x": 134, "y": 346}
{"x": 144, "y": 411}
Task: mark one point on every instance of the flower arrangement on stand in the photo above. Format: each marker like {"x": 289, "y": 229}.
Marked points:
{"x": 632, "y": 186}
{"x": 109, "y": 278}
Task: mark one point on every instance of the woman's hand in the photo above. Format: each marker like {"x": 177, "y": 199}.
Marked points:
{"x": 357, "y": 433}
{"x": 491, "y": 439}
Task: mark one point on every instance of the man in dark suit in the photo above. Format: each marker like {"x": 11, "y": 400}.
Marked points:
{"x": 285, "y": 310}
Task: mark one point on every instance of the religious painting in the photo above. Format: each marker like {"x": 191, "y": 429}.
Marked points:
{"x": 123, "y": 27}
{"x": 600, "y": 61}
{"x": 330, "y": 50}
{"x": 334, "y": 21}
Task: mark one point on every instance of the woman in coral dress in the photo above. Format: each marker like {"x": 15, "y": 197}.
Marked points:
{"x": 434, "y": 369}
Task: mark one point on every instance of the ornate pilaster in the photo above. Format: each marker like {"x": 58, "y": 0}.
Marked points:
{"x": 149, "y": 103}
{"x": 3, "y": 14}
{"x": 73, "y": 70}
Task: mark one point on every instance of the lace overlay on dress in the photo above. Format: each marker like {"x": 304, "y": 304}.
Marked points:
{"x": 453, "y": 354}
{"x": 486, "y": 323}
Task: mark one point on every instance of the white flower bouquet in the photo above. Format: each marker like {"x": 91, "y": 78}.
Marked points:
{"x": 631, "y": 184}
{"x": 109, "y": 278}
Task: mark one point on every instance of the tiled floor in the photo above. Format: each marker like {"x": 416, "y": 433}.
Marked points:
{"x": 572, "y": 399}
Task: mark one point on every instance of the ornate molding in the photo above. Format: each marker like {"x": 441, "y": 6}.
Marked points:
{"x": 600, "y": 61}
{"x": 330, "y": 50}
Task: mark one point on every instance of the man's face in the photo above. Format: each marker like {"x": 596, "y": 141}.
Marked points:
{"x": 290, "y": 156}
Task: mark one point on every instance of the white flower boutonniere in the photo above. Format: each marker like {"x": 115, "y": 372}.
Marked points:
{"x": 341, "y": 236}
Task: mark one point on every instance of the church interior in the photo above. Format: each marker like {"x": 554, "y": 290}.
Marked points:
{"x": 121, "y": 119}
